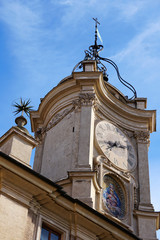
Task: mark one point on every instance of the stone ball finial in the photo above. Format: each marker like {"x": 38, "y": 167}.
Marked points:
{"x": 21, "y": 121}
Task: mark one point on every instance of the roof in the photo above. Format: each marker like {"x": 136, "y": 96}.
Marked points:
{"x": 10, "y": 163}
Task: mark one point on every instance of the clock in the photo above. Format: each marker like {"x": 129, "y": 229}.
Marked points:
{"x": 116, "y": 146}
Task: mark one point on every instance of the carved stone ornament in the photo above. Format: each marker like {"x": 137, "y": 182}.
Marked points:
{"x": 99, "y": 159}
{"x": 135, "y": 198}
{"x": 39, "y": 134}
{"x": 85, "y": 99}
{"x": 142, "y": 137}
{"x": 58, "y": 117}
{"x": 126, "y": 174}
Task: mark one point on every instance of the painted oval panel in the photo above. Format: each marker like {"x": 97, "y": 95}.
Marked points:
{"x": 113, "y": 197}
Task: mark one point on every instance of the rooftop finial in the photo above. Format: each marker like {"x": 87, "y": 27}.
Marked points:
{"x": 22, "y": 107}
{"x": 93, "y": 54}
{"x": 95, "y": 49}
{"x": 96, "y": 21}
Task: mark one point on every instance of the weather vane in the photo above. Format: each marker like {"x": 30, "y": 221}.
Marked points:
{"x": 96, "y": 21}
{"x": 95, "y": 49}
{"x": 93, "y": 54}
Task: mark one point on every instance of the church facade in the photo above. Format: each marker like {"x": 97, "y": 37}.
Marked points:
{"x": 90, "y": 178}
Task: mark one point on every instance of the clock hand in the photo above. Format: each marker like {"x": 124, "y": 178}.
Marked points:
{"x": 107, "y": 142}
{"x": 110, "y": 147}
{"x": 111, "y": 144}
{"x": 120, "y": 146}
{"x": 115, "y": 144}
{"x": 123, "y": 147}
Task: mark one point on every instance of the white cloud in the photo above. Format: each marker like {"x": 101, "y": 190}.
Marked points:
{"x": 27, "y": 35}
{"x": 118, "y": 10}
{"x": 139, "y": 62}
{"x": 65, "y": 2}
{"x": 127, "y": 9}
{"x": 140, "y": 42}
{"x": 20, "y": 18}
{"x": 36, "y": 30}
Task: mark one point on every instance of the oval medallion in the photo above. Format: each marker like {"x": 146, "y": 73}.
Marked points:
{"x": 113, "y": 197}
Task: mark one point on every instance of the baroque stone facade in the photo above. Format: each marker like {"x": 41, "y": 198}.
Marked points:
{"x": 90, "y": 177}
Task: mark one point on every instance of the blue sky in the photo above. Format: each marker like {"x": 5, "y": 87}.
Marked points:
{"x": 42, "y": 40}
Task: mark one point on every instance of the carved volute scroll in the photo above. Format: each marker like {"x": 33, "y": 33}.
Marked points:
{"x": 58, "y": 117}
{"x": 85, "y": 99}
{"x": 142, "y": 136}
{"x": 39, "y": 134}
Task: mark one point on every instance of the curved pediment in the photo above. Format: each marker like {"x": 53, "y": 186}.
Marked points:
{"x": 110, "y": 102}
{"x": 58, "y": 98}
{"x": 128, "y": 114}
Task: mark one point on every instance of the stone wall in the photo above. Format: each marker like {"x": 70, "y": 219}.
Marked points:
{"x": 57, "y": 152}
{"x": 15, "y": 222}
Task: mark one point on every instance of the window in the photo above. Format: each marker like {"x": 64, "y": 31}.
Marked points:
{"x": 49, "y": 234}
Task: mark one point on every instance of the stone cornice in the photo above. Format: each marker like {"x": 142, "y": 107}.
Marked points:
{"x": 70, "y": 92}
{"x": 17, "y": 131}
{"x": 117, "y": 111}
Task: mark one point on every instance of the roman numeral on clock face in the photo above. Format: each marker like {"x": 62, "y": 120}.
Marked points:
{"x": 130, "y": 162}
{"x": 115, "y": 145}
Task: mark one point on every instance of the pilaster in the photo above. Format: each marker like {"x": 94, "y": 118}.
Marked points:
{"x": 84, "y": 186}
{"x": 147, "y": 224}
{"x": 143, "y": 170}
{"x": 85, "y": 152}
{"x": 147, "y": 218}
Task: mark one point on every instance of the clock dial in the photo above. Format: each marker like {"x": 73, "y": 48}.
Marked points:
{"x": 115, "y": 145}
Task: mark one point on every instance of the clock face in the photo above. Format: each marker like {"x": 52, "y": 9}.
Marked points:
{"x": 115, "y": 145}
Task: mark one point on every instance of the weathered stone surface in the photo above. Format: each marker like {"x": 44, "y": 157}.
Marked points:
{"x": 70, "y": 154}
{"x": 18, "y": 144}
{"x": 14, "y": 220}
